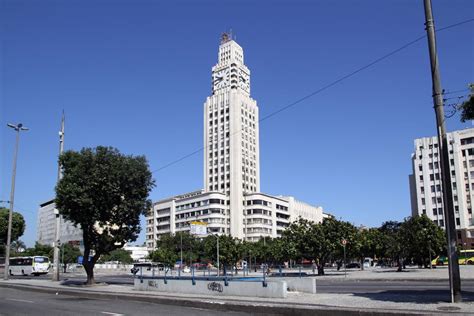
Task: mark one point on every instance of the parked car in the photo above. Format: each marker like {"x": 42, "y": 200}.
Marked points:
{"x": 353, "y": 265}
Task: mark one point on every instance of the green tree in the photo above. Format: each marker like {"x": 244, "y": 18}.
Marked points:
{"x": 17, "y": 248}
{"x": 422, "y": 239}
{"x": 104, "y": 192}
{"x": 296, "y": 238}
{"x": 39, "y": 250}
{"x": 230, "y": 250}
{"x": 320, "y": 241}
{"x": 165, "y": 256}
{"x": 370, "y": 243}
{"x": 393, "y": 246}
{"x": 120, "y": 255}
{"x": 18, "y": 226}
{"x": 69, "y": 254}
{"x": 467, "y": 107}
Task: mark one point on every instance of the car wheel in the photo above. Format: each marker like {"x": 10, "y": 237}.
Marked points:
{"x": 10, "y": 272}
{"x": 23, "y": 272}
{"x": 470, "y": 262}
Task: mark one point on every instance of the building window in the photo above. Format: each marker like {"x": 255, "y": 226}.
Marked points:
{"x": 458, "y": 221}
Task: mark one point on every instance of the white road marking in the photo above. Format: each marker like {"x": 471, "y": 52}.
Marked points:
{"x": 18, "y": 300}
{"x": 114, "y": 314}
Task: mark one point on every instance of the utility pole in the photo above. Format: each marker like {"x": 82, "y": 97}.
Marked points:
{"x": 18, "y": 128}
{"x": 57, "y": 241}
{"x": 454, "y": 276}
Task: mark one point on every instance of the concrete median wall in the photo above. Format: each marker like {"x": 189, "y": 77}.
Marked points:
{"x": 217, "y": 288}
{"x": 305, "y": 285}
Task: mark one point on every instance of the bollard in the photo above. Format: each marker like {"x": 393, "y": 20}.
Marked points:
{"x": 166, "y": 272}
{"x": 279, "y": 269}
{"x": 153, "y": 272}
{"x": 192, "y": 272}
{"x": 300, "y": 271}
{"x": 141, "y": 274}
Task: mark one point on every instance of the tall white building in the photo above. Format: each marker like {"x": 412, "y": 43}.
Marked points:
{"x": 231, "y": 202}
{"x": 231, "y": 154}
{"x": 425, "y": 182}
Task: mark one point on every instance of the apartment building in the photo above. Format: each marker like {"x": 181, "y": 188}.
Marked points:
{"x": 426, "y": 188}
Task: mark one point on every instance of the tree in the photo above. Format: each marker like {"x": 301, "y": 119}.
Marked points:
{"x": 18, "y": 226}
{"x": 165, "y": 256}
{"x": 393, "y": 243}
{"x": 467, "y": 107}
{"x": 320, "y": 241}
{"x": 17, "y": 247}
{"x": 39, "y": 250}
{"x": 369, "y": 244}
{"x": 422, "y": 239}
{"x": 120, "y": 255}
{"x": 104, "y": 192}
{"x": 69, "y": 254}
{"x": 230, "y": 249}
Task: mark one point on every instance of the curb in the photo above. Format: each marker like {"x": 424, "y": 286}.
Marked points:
{"x": 246, "y": 306}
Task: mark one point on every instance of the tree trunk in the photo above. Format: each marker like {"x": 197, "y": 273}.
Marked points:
{"x": 400, "y": 267}
{"x": 321, "y": 269}
{"x": 88, "y": 267}
{"x": 362, "y": 263}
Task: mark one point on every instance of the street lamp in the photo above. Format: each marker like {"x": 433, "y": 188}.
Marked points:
{"x": 217, "y": 241}
{"x": 18, "y": 128}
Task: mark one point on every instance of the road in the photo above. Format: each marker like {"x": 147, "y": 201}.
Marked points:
{"x": 19, "y": 302}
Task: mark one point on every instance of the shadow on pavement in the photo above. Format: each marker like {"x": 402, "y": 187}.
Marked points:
{"x": 413, "y": 296}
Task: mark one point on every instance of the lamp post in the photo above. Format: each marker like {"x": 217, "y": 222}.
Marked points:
{"x": 217, "y": 241}
{"x": 57, "y": 238}
{"x": 18, "y": 128}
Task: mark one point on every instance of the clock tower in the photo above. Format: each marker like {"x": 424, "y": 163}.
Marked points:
{"x": 231, "y": 134}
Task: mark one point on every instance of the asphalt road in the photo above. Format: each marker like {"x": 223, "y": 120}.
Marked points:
{"x": 19, "y": 302}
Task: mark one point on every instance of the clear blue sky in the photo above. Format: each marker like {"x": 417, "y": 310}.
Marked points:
{"x": 135, "y": 74}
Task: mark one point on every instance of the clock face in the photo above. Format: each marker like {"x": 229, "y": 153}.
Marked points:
{"x": 221, "y": 78}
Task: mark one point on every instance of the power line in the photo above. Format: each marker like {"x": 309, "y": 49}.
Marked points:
{"x": 456, "y": 91}
{"x": 351, "y": 74}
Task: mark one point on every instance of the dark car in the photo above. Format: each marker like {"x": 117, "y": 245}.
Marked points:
{"x": 353, "y": 265}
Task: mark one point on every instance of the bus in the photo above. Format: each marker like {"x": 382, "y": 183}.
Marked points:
{"x": 464, "y": 257}
{"x": 34, "y": 265}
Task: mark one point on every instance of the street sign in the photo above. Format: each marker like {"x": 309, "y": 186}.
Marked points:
{"x": 344, "y": 242}
{"x": 198, "y": 228}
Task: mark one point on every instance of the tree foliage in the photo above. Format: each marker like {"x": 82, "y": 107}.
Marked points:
{"x": 467, "y": 107}
{"x": 39, "y": 250}
{"x": 104, "y": 192}
{"x": 69, "y": 253}
{"x": 18, "y": 226}
{"x": 422, "y": 239}
{"x": 120, "y": 255}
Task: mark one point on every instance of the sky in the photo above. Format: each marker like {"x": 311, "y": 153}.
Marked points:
{"x": 135, "y": 75}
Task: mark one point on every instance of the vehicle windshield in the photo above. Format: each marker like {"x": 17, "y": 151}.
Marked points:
{"x": 41, "y": 259}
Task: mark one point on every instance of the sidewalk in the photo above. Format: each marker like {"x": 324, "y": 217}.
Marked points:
{"x": 410, "y": 273}
{"x": 296, "y": 303}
